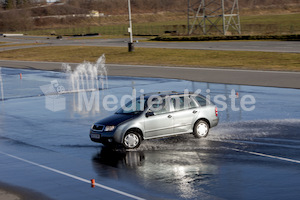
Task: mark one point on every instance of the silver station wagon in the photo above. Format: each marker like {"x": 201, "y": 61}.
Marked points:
{"x": 156, "y": 115}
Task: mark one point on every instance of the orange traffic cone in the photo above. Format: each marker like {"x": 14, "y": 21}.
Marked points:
{"x": 92, "y": 183}
{"x": 20, "y": 75}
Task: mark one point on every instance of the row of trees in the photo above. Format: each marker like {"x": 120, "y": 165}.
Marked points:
{"x": 165, "y": 5}
{"x": 12, "y": 4}
{"x": 116, "y": 6}
{"x": 24, "y": 14}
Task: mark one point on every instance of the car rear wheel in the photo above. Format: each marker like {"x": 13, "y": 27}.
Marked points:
{"x": 132, "y": 140}
{"x": 201, "y": 129}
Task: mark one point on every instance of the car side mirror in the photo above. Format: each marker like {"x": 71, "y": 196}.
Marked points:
{"x": 149, "y": 113}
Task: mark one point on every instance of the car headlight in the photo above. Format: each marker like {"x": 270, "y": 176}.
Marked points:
{"x": 109, "y": 128}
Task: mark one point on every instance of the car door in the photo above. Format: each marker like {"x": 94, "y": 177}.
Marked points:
{"x": 184, "y": 114}
{"x": 159, "y": 123}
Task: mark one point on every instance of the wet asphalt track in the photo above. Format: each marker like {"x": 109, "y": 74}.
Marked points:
{"x": 283, "y": 79}
{"x": 250, "y": 155}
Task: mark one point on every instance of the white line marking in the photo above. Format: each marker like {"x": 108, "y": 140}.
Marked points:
{"x": 269, "y": 156}
{"x": 73, "y": 176}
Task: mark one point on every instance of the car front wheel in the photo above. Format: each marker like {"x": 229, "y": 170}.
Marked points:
{"x": 132, "y": 140}
{"x": 201, "y": 129}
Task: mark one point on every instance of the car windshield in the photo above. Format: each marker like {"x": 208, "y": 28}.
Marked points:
{"x": 133, "y": 107}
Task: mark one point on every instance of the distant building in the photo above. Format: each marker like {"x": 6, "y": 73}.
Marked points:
{"x": 52, "y": 1}
{"x": 95, "y": 13}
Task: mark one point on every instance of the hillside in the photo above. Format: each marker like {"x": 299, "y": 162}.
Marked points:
{"x": 150, "y": 6}
{"x": 27, "y": 15}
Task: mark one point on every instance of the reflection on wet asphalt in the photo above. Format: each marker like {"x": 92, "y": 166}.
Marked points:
{"x": 221, "y": 166}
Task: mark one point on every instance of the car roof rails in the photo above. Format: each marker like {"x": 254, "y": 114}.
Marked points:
{"x": 163, "y": 93}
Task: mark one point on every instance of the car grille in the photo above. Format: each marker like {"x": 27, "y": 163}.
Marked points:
{"x": 98, "y": 127}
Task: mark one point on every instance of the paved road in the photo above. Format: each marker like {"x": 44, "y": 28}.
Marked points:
{"x": 229, "y": 76}
{"x": 240, "y": 160}
{"x": 264, "y": 46}
{"x": 249, "y": 155}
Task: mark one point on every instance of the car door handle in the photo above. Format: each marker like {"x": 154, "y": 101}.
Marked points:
{"x": 195, "y": 111}
{"x": 169, "y": 116}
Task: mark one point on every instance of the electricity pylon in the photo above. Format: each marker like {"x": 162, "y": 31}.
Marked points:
{"x": 211, "y": 16}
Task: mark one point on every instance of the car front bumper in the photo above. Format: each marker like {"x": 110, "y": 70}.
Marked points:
{"x": 102, "y": 137}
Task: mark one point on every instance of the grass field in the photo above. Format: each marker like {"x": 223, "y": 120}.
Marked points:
{"x": 166, "y": 57}
{"x": 117, "y": 25}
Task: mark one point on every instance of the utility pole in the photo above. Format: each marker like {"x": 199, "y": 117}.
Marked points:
{"x": 130, "y": 44}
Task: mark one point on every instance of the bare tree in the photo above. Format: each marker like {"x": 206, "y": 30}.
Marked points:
{"x": 16, "y": 20}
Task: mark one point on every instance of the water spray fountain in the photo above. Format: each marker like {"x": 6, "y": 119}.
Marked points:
{"x": 88, "y": 76}
{"x": 86, "y": 80}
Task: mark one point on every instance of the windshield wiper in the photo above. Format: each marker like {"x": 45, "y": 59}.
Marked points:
{"x": 135, "y": 112}
{"x": 130, "y": 113}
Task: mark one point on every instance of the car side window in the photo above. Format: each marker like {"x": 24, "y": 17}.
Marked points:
{"x": 182, "y": 103}
{"x": 201, "y": 101}
{"x": 159, "y": 107}
{"x": 192, "y": 103}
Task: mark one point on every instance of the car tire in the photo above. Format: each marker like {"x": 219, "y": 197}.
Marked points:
{"x": 132, "y": 140}
{"x": 201, "y": 129}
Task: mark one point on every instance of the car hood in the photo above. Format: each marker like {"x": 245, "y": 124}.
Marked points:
{"x": 116, "y": 119}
